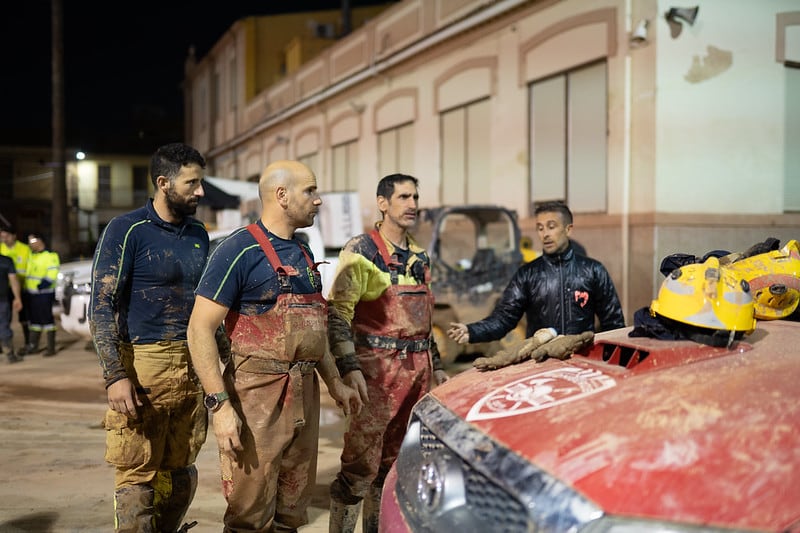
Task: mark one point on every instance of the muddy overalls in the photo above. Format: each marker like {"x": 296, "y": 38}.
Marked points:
{"x": 276, "y": 393}
{"x": 392, "y": 339}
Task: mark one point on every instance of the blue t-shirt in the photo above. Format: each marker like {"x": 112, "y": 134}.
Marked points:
{"x": 144, "y": 274}
{"x": 143, "y": 278}
{"x": 239, "y": 276}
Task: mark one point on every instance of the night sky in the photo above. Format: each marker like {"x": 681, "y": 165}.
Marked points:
{"x": 123, "y": 67}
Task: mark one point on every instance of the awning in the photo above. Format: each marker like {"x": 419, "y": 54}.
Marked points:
{"x": 216, "y": 198}
{"x": 224, "y": 193}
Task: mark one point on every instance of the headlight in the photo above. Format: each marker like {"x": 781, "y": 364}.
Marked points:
{"x": 81, "y": 288}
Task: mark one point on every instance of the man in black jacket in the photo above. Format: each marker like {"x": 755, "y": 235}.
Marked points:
{"x": 560, "y": 289}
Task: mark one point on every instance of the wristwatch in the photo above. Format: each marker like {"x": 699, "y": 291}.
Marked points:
{"x": 213, "y": 401}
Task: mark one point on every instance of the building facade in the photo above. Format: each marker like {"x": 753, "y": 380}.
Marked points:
{"x": 99, "y": 187}
{"x": 665, "y": 130}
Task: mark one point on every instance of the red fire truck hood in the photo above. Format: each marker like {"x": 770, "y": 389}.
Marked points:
{"x": 690, "y": 433}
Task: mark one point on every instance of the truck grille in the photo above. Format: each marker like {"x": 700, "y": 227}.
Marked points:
{"x": 484, "y": 498}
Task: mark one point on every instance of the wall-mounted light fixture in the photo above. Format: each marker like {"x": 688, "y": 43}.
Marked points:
{"x": 639, "y": 34}
{"x": 677, "y": 14}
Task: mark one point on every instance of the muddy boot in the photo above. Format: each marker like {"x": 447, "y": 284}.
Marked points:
{"x": 343, "y": 517}
{"x": 371, "y": 510}
{"x": 174, "y": 492}
{"x": 51, "y": 343}
{"x": 344, "y": 507}
{"x": 33, "y": 345}
{"x": 8, "y": 347}
{"x": 133, "y": 509}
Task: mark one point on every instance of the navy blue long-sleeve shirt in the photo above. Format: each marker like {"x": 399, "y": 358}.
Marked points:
{"x": 144, "y": 275}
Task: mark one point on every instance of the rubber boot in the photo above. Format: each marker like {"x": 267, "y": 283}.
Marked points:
{"x": 26, "y": 333}
{"x": 51, "y": 343}
{"x": 8, "y": 346}
{"x": 371, "y": 510}
{"x": 174, "y": 492}
{"x": 33, "y": 345}
{"x": 343, "y": 517}
{"x": 133, "y": 509}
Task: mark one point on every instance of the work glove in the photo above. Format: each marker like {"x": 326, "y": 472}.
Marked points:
{"x": 563, "y": 346}
{"x": 45, "y": 284}
{"x": 516, "y": 352}
{"x": 560, "y": 347}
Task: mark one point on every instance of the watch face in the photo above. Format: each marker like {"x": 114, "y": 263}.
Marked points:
{"x": 211, "y": 401}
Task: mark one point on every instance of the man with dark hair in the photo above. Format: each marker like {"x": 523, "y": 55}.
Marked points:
{"x": 146, "y": 267}
{"x": 380, "y": 321}
{"x": 560, "y": 289}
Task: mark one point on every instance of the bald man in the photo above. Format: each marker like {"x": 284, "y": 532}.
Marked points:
{"x": 263, "y": 283}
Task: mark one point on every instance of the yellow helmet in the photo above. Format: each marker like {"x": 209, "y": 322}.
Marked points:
{"x": 774, "y": 279}
{"x": 707, "y": 296}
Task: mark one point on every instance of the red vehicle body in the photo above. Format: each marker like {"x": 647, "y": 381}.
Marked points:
{"x": 633, "y": 434}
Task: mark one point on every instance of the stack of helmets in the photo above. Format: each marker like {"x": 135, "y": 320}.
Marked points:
{"x": 774, "y": 279}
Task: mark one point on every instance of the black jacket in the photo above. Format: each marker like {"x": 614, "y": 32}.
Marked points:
{"x": 563, "y": 291}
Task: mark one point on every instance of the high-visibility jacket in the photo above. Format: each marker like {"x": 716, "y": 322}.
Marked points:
{"x": 42, "y": 266}
{"x": 20, "y": 253}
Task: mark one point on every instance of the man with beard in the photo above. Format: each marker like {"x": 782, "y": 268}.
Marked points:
{"x": 263, "y": 282}
{"x": 381, "y": 317}
{"x": 146, "y": 267}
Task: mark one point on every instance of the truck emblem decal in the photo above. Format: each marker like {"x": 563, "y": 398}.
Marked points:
{"x": 540, "y": 391}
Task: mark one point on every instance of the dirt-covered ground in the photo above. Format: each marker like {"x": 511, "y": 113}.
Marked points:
{"x": 52, "y": 444}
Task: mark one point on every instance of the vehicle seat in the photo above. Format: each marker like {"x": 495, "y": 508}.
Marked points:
{"x": 484, "y": 260}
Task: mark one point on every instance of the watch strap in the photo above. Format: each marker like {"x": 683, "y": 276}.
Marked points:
{"x": 214, "y": 401}
{"x": 222, "y": 396}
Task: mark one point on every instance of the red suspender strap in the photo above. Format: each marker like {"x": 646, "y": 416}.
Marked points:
{"x": 382, "y": 249}
{"x": 269, "y": 251}
{"x": 266, "y": 246}
{"x": 391, "y": 265}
